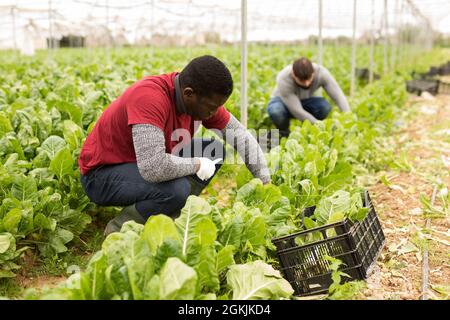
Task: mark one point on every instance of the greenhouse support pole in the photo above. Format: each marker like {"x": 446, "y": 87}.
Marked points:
{"x": 386, "y": 34}
{"x": 13, "y": 17}
{"x": 152, "y": 14}
{"x": 189, "y": 27}
{"x": 244, "y": 62}
{"x": 107, "y": 22}
{"x": 352, "y": 83}
{"x": 430, "y": 37}
{"x": 394, "y": 46}
{"x": 401, "y": 47}
{"x": 407, "y": 36}
{"x": 320, "y": 40}
{"x": 372, "y": 43}
{"x": 50, "y": 27}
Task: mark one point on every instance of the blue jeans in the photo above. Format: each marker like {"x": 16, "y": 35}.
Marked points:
{"x": 123, "y": 185}
{"x": 281, "y": 117}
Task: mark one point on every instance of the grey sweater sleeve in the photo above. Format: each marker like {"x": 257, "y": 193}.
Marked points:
{"x": 333, "y": 90}
{"x": 248, "y": 148}
{"x": 286, "y": 90}
{"x": 295, "y": 107}
{"x": 154, "y": 164}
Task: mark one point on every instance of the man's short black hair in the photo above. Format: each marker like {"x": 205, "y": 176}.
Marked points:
{"x": 303, "y": 69}
{"x": 207, "y": 75}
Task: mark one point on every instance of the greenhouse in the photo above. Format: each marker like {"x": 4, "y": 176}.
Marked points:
{"x": 224, "y": 150}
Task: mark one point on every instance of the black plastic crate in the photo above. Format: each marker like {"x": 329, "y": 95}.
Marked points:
{"x": 358, "y": 245}
{"x": 419, "y": 86}
{"x": 364, "y": 74}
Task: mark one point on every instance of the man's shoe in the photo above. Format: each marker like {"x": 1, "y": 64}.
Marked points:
{"x": 127, "y": 214}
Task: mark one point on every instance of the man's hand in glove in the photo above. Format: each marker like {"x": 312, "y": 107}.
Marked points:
{"x": 206, "y": 168}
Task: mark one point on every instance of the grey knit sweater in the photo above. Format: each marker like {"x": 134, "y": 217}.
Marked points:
{"x": 155, "y": 165}
{"x": 291, "y": 93}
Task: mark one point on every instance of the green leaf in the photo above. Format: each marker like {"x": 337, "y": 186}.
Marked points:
{"x": 59, "y": 238}
{"x": 97, "y": 266}
{"x": 5, "y": 124}
{"x": 208, "y": 275}
{"x": 331, "y": 162}
{"x": 271, "y": 194}
{"x": 250, "y": 191}
{"x": 75, "y": 112}
{"x": 132, "y": 226}
{"x": 152, "y": 289}
{"x": 359, "y": 214}
{"x": 257, "y": 280}
{"x": 119, "y": 246}
{"x": 62, "y": 163}
{"x": 168, "y": 248}
{"x": 177, "y": 281}
{"x": 279, "y": 212}
{"x": 42, "y": 222}
{"x": 255, "y": 231}
{"x": 157, "y": 229}
{"x": 52, "y": 145}
{"x": 42, "y": 176}
{"x": 205, "y": 231}
{"x": 73, "y": 134}
{"x": 6, "y": 239}
{"x": 232, "y": 233}
{"x": 195, "y": 210}
{"x": 16, "y": 146}
{"x": 12, "y": 220}
{"x": 243, "y": 176}
{"x": 333, "y": 207}
{"x": 225, "y": 258}
{"x": 24, "y": 188}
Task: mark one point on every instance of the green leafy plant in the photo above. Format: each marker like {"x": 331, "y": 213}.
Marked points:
{"x": 338, "y": 290}
{"x": 169, "y": 260}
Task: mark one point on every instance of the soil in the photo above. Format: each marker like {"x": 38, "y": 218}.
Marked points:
{"x": 398, "y": 273}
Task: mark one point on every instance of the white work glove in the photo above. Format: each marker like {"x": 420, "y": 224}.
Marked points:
{"x": 207, "y": 168}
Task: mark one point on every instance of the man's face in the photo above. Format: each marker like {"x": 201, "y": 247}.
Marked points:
{"x": 304, "y": 84}
{"x": 202, "y": 107}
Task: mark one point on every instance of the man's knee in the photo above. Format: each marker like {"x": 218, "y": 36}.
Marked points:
{"x": 323, "y": 107}
{"x": 277, "y": 112}
{"x": 179, "y": 194}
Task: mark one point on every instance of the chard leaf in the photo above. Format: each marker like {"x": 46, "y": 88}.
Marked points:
{"x": 157, "y": 229}
{"x": 178, "y": 281}
{"x": 257, "y": 280}
{"x": 52, "y": 145}
{"x": 205, "y": 232}
{"x": 44, "y": 223}
{"x": 62, "y": 163}
{"x": 232, "y": 233}
{"x": 6, "y": 241}
{"x": 225, "y": 258}
{"x": 73, "y": 134}
{"x": 168, "y": 248}
{"x": 24, "y": 188}
{"x": 208, "y": 275}
{"x": 255, "y": 231}
{"x": 12, "y": 220}
{"x": 195, "y": 210}
{"x": 333, "y": 207}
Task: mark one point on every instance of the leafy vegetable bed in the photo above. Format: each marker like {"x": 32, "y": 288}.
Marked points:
{"x": 46, "y": 111}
